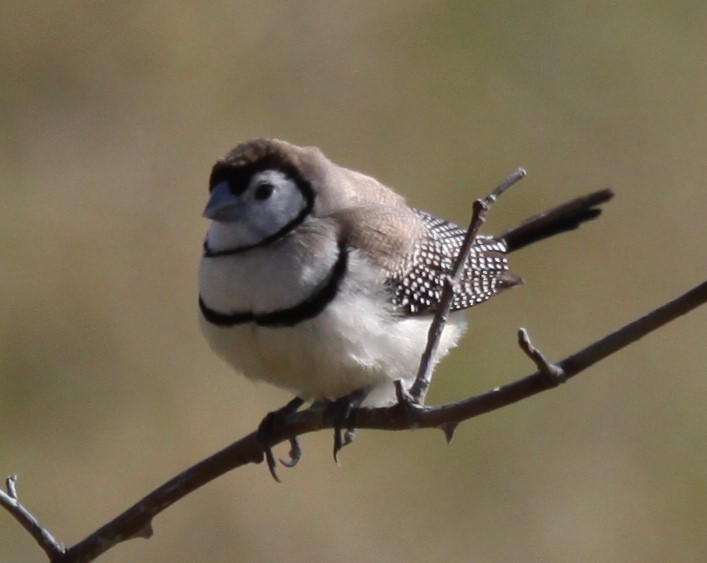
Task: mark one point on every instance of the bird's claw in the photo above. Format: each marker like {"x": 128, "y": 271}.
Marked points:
{"x": 342, "y": 439}
{"x": 266, "y": 428}
{"x": 341, "y": 409}
{"x": 295, "y": 453}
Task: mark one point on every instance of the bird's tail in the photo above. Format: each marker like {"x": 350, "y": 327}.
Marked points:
{"x": 566, "y": 217}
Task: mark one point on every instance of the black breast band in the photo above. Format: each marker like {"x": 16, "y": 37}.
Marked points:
{"x": 307, "y": 309}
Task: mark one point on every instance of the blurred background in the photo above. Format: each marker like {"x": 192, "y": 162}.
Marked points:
{"x": 111, "y": 115}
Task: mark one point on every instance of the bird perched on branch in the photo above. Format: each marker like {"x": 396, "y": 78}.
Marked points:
{"x": 323, "y": 281}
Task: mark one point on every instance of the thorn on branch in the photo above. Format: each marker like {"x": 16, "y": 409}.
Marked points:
{"x": 145, "y": 532}
{"x": 552, "y": 372}
{"x": 449, "y": 428}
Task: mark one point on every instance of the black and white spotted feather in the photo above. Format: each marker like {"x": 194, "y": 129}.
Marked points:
{"x": 418, "y": 286}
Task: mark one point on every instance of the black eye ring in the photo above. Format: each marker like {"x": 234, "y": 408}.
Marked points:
{"x": 264, "y": 191}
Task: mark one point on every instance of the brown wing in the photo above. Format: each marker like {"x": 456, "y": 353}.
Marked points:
{"x": 417, "y": 250}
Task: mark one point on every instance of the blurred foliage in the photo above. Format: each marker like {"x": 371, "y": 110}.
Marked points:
{"x": 110, "y": 117}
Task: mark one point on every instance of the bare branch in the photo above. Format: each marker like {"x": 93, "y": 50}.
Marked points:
{"x": 402, "y": 416}
{"x": 408, "y": 413}
{"x": 10, "y": 502}
{"x": 434, "y": 417}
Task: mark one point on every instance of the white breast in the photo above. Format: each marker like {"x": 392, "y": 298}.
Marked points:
{"x": 269, "y": 278}
{"x": 357, "y": 341}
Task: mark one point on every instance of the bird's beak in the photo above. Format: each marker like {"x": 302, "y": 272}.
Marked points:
{"x": 223, "y": 206}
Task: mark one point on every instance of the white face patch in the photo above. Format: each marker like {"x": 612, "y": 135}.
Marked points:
{"x": 270, "y": 202}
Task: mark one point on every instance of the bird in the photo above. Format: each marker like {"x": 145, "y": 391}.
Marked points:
{"x": 322, "y": 280}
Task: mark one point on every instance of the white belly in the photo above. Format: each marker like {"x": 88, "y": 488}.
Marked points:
{"x": 355, "y": 342}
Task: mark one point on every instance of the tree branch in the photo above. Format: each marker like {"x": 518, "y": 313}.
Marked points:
{"x": 136, "y": 521}
{"x": 11, "y": 502}
{"x": 404, "y": 416}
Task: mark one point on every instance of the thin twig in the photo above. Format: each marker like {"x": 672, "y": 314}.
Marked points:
{"x": 10, "y": 501}
{"x": 11, "y": 486}
{"x": 418, "y": 391}
{"x": 552, "y": 371}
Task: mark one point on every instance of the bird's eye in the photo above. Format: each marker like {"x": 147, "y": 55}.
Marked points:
{"x": 263, "y": 191}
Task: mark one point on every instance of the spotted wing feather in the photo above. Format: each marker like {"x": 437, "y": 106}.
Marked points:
{"x": 418, "y": 288}
{"x": 417, "y": 250}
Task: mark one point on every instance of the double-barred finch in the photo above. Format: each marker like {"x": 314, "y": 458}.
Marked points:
{"x": 323, "y": 281}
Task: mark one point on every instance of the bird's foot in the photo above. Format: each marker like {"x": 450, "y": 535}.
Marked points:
{"x": 340, "y": 410}
{"x": 269, "y": 424}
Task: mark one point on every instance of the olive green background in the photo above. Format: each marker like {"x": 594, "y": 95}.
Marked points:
{"x": 111, "y": 115}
